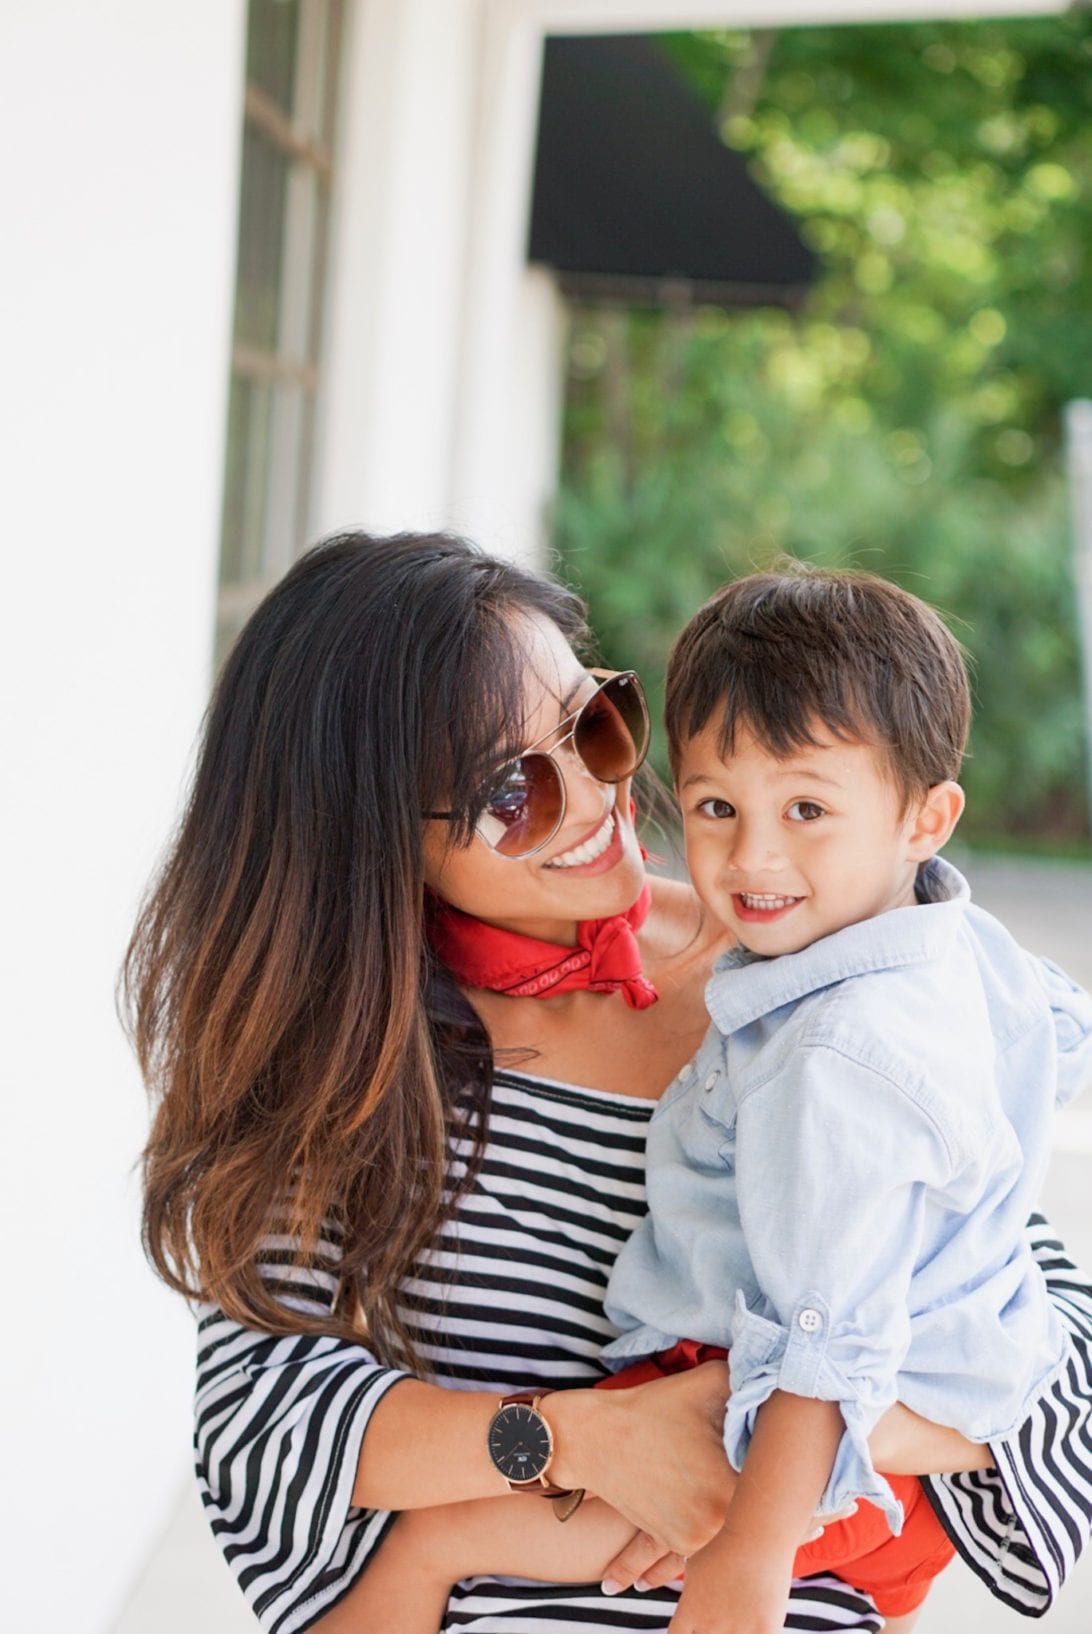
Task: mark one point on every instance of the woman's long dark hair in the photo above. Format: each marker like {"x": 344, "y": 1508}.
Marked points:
{"x": 306, "y": 1052}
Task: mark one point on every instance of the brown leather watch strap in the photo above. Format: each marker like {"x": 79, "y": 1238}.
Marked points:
{"x": 566, "y": 1500}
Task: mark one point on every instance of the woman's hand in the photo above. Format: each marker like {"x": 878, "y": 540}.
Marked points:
{"x": 654, "y": 1452}
{"x": 644, "y": 1562}
{"x": 904, "y": 1443}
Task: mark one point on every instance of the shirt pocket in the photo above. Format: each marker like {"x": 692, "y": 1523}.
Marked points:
{"x": 705, "y": 1124}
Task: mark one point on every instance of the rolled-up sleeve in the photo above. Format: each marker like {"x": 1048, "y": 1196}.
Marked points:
{"x": 279, "y": 1427}
{"x": 833, "y": 1164}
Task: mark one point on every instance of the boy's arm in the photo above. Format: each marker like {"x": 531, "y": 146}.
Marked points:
{"x": 835, "y": 1162}
{"x": 739, "y": 1583}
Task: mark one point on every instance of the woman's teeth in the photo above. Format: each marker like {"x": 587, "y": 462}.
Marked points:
{"x": 766, "y": 903}
{"x": 587, "y": 852}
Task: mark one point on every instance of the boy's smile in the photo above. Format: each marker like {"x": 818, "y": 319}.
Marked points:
{"x": 785, "y": 851}
{"x": 761, "y": 908}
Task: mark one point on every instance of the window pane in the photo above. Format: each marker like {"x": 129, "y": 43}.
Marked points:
{"x": 318, "y": 273}
{"x": 262, "y": 204}
{"x": 272, "y": 36}
{"x": 246, "y": 480}
{"x": 282, "y": 538}
{"x": 292, "y": 64}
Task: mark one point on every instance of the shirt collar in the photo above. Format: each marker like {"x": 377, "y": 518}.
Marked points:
{"x": 745, "y": 986}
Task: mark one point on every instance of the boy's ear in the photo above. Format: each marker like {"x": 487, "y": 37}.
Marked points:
{"x": 931, "y": 824}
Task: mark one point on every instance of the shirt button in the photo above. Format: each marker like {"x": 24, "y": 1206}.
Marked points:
{"x": 810, "y": 1321}
{"x": 711, "y": 1080}
{"x": 688, "y": 1071}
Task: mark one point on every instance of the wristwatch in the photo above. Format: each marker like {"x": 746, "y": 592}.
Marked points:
{"x": 521, "y": 1447}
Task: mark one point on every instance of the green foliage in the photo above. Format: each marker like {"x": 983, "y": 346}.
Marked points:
{"x": 908, "y": 420}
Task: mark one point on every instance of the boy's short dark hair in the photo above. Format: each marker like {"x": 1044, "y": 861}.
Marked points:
{"x": 777, "y": 652}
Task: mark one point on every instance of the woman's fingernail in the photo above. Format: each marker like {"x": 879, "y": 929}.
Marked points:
{"x": 641, "y": 1586}
{"x": 609, "y": 1586}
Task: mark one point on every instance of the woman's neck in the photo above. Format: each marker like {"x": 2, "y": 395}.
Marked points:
{"x": 593, "y": 1039}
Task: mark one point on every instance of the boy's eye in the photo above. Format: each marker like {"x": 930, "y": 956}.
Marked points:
{"x": 716, "y": 808}
{"x": 804, "y": 811}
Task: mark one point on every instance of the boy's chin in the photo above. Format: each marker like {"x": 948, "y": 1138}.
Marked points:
{"x": 770, "y": 942}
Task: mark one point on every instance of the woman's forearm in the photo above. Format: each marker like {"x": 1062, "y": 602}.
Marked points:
{"x": 654, "y": 1452}
{"x": 426, "y": 1445}
{"x": 904, "y": 1443}
{"x": 428, "y": 1550}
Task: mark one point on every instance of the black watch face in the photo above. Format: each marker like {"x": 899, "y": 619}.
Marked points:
{"x": 519, "y": 1442}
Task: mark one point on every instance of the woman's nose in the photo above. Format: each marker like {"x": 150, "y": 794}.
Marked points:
{"x": 579, "y": 781}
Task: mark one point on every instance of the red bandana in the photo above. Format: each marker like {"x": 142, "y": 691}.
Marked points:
{"x": 606, "y": 958}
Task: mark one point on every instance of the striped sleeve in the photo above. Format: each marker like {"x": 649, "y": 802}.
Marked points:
{"x": 1023, "y": 1525}
{"x": 278, "y": 1433}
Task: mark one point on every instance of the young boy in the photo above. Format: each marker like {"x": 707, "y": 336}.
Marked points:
{"x": 838, "y": 1183}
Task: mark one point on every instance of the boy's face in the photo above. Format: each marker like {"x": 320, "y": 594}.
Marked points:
{"x": 783, "y": 852}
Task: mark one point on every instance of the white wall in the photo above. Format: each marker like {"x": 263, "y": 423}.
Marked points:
{"x": 119, "y": 126}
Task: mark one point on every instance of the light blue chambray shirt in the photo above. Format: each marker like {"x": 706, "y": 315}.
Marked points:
{"x": 838, "y": 1183}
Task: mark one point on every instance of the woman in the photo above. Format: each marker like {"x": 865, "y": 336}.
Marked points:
{"x": 373, "y": 1184}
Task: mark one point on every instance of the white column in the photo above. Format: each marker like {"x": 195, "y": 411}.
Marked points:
{"x": 533, "y": 461}
{"x": 397, "y": 259}
{"x": 121, "y": 127}
{"x": 494, "y": 472}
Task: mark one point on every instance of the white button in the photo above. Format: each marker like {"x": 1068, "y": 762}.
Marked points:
{"x": 711, "y": 1080}
{"x": 810, "y": 1321}
{"x": 688, "y": 1071}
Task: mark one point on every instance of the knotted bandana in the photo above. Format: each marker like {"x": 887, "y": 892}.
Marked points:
{"x": 606, "y": 958}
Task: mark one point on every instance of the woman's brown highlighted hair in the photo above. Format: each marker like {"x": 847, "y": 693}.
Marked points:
{"x": 779, "y": 653}
{"x": 308, "y": 1055}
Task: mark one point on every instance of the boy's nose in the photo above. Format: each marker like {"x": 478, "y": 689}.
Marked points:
{"x": 752, "y": 849}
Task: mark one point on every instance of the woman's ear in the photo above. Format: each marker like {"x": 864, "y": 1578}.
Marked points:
{"x": 930, "y": 825}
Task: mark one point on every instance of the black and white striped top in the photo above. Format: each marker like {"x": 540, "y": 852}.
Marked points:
{"x": 280, "y": 1422}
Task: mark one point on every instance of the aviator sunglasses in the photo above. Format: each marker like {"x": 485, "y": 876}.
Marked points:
{"x": 524, "y": 806}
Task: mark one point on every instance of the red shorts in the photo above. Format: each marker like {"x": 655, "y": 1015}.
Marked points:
{"x": 896, "y": 1572}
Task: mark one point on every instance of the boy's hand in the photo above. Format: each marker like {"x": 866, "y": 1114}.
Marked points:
{"x": 733, "y": 1587}
{"x": 651, "y": 1564}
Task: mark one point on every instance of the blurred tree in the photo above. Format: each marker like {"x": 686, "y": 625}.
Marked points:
{"x": 908, "y": 420}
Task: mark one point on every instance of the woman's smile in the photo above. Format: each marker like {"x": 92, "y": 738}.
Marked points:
{"x": 602, "y": 846}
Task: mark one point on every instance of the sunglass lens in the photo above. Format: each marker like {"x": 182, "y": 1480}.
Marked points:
{"x": 612, "y": 733}
{"x": 523, "y": 808}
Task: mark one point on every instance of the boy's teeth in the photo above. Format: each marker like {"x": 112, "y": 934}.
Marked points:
{"x": 753, "y": 900}
{"x": 588, "y": 851}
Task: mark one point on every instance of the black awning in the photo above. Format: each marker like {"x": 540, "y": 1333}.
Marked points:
{"x": 636, "y": 198}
